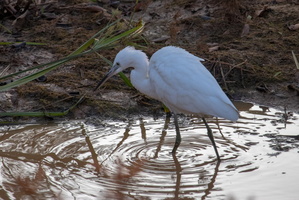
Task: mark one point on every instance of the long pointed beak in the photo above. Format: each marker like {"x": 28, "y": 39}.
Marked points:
{"x": 107, "y": 76}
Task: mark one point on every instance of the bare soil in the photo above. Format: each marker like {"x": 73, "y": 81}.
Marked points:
{"x": 246, "y": 45}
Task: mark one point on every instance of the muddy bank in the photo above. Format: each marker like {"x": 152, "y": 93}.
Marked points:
{"x": 247, "y": 47}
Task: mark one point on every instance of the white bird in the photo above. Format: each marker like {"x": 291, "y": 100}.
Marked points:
{"x": 179, "y": 80}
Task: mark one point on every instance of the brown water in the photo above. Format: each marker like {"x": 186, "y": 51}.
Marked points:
{"x": 131, "y": 159}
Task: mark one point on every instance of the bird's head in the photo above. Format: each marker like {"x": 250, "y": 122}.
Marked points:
{"x": 120, "y": 63}
{"x": 123, "y": 60}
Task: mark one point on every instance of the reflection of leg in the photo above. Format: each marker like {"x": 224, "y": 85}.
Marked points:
{"x": 164, "y": 132}
{"x": 211, "y": 185}
{"x": 143, "y": 130}
{"x": 178, "y": 135}
{"x": 178, "y": 170}
{"x": 210, "y": 134}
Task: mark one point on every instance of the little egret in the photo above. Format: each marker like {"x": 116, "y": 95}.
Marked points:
{"x": 179, "y": 80}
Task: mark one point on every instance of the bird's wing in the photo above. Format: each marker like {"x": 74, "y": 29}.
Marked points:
{"x": 183, "y": 84}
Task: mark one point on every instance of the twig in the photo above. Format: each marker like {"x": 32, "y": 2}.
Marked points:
{"x": 54, "y": 103}
{"x": 223, "y": 77}
{"x": 229, "y": 64}
{"x": 6, "y": 68}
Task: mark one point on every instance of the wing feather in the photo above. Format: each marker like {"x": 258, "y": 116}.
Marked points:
{"x": 183, "y": 84}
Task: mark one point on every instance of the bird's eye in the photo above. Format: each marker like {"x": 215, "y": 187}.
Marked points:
{"x": 117, "y": 64}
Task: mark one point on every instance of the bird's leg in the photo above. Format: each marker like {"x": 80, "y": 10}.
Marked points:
{"x": 211, "y": 137}
{"x": 178, "y": 135}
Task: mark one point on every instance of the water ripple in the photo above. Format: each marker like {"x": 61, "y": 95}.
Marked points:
{"x": 125, "y": 160}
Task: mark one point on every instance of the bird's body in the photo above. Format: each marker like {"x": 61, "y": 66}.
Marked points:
{"x": 178, "y": 79}
{"x": 184, "y": 85}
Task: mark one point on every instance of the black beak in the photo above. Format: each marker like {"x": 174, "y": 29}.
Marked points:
{"x": 107, "y": 76}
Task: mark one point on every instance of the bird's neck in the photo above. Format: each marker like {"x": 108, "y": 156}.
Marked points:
{"x": 140, "y": 77}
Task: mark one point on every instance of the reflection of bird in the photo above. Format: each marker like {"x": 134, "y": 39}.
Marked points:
{"x": 179, "y": 80}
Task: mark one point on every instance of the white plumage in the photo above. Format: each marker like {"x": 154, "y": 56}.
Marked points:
{"x": 179, "y": 80}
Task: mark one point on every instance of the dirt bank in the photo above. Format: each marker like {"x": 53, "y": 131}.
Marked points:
{"x": 246, "y": 45}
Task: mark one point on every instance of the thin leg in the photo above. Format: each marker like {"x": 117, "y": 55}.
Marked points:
{"x": 211, "y": 138}
{"x": 178, "y": 135}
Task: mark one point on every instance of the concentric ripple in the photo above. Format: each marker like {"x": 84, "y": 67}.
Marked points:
{"x": 132, "y": 159}
{"x": 151, "y": 152}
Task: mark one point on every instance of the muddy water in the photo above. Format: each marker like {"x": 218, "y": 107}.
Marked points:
{"x": 131, "y": 159}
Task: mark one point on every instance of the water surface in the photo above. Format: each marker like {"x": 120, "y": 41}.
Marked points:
{"x": 131, "y": 159}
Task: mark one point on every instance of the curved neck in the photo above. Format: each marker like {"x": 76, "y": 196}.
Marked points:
{"x": 140, "y": 76}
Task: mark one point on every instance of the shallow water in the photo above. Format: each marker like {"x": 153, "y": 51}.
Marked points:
{"x": 131, "y": 159}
